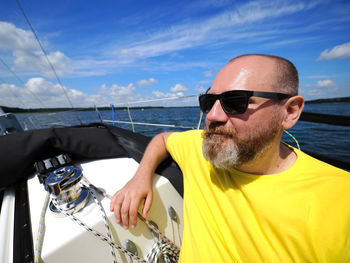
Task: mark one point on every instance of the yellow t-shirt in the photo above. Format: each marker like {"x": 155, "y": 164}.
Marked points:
{"x": 299, "y": 215}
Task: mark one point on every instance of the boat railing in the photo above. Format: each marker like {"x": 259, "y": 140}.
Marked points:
{"x": 330, "y": 119}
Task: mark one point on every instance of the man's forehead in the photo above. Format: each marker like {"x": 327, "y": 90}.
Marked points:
{"x": 244, "y": 74}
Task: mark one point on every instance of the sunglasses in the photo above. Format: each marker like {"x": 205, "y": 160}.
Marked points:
{"x": 236, "y": 101}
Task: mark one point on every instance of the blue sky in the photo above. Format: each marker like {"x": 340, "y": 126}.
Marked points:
{"x": 124, "y": 51}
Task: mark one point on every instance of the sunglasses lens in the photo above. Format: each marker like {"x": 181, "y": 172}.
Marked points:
{"x": 206, "y": 102}
{"x": 235, "y": 104}
{"x": 232, "y": 102}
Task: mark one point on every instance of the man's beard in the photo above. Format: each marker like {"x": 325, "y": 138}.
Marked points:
{"x": 228, "y": 151}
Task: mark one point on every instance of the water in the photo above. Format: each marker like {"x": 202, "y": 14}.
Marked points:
{"x": 332, "y": 141}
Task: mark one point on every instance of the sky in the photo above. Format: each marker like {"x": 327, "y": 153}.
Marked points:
{"x": 117, "y": 52}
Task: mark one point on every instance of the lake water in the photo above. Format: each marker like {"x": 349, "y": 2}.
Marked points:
{"x": 329, "y": 140}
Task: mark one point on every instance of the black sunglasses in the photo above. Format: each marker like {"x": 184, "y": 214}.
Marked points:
{"x": 236, "y": 101}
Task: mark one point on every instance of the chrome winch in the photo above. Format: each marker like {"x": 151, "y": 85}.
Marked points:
{"x": 64, "y": 186}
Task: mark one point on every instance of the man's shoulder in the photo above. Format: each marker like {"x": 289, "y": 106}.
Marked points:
{"x": 315, "y": 165}
{"x": 191, "y": 135}
{"x": 187, "y": 139}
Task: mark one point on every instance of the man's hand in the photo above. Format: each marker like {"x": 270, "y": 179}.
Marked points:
{"x": 126, "y": 202}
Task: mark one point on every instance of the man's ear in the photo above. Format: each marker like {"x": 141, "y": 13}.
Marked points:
{"x": 293, "y": 108}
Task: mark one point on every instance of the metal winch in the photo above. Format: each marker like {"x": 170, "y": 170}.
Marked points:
{"x": 64, "y": 186}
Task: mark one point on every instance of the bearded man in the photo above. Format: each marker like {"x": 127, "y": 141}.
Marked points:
{"x": 248, "y": 197}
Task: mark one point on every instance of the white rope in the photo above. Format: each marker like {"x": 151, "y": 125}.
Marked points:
{"x": 104, "y": 216}
{"x": 99, "y": 235}
{"x": 41, "y": 231}
{"x": 164, "y": 246}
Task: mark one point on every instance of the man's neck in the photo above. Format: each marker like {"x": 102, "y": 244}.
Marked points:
{"x": 274, "y": 160}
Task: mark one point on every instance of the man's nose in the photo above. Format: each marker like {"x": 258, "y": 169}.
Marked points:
{"x": 217, "y": 114}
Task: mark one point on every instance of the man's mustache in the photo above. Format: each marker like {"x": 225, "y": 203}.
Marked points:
{"x": 217, "y": 128}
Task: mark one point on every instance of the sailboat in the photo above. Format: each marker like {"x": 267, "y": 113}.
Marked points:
{"x": 57, "y": 185}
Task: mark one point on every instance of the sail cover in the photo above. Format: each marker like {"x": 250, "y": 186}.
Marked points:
{"x": 19, "y": 151}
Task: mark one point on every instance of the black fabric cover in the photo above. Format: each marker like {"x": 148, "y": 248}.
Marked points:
{"x": 19, "y": 151}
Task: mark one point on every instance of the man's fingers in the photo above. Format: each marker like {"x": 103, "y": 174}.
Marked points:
{"x": 111, "y": 205}
{"x": 125, "y": 205}
{"x": 124, "y": 212}
{"x": 147, "y": 204}
{"x": 116, "y": 206}
{"x": 134, "y": 207}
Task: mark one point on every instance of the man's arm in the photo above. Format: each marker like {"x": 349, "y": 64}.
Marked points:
{"x": 126, "y": 201}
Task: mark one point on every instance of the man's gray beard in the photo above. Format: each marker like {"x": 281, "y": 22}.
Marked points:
{"x": 227, "y": 158}
{"x": 227, "y": 151}
{"x": 230, "y": 156}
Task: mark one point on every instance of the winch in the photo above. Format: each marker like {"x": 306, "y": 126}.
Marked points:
{"x": 64, "y": 186}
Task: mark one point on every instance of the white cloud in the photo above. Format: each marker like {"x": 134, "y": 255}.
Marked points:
{"x": 178, "y": 88}
{"x": 325, "y": 88}
{"x": 337, "y": 52}
{"x": 27, "y": 53}
{"x": 327, "y": 83}
{"x": 147, "y": 82}
{"x": 12, "y": 96}
{"x": 159, "y": 94}
{"x": 43, "y": 87}
{"x": 40, "y": 93}
{"x": 176, "y": 91}
{"x": 15, "y": 38}
{"x": 119, "y": 94}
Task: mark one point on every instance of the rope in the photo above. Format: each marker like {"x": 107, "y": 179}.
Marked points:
{"x": 296, "y": 141}
{"x": 132, "y": 124}
{"x": 41, "y": 231}
{"x": 161, "y": 236}
{"x": 99, "y": 235}
{"x": 104, "y": 216}
{"x": 164, "y": 245}
{"x": 161, "y": 248}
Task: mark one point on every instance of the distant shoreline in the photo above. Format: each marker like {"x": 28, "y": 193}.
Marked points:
{"x": 48, "y": 110}
{"x": 333, "y": 100}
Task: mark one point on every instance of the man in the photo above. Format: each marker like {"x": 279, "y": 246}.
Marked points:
{"x": 248, "y": 197}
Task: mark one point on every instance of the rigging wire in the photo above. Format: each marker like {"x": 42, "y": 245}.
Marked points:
{"x": 152, "y": 100}
{"x": 45, "y": 54}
